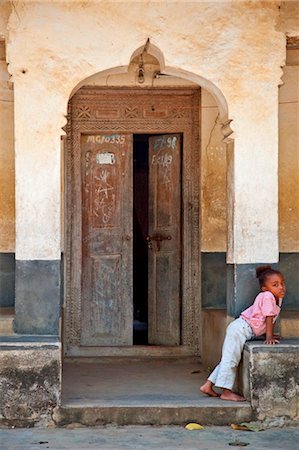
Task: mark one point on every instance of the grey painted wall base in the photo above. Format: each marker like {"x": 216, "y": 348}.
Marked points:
{"x": 37, "y": 304}
{"x": 243, "y": 286}
{"x": 213, "y": 279}
{"x": 223, "y": 286}
{"x": 270, "y": 379}
{"x": 234, "y": 287}
{"x": 289, "y": 266}
{"x": 30, "y": 372}
{"x": 7, "y": 280}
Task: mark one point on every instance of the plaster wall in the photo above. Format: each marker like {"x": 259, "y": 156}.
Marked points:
{"x": 7, "y": 160}
{"x": 219, "y": 42}
{"x": 5, "y": 11}
{"x": 289, "y": 155}
{"x": 213, "y": 178}
{"x": 213, "y": 149}
{"x": 213, "y": 167}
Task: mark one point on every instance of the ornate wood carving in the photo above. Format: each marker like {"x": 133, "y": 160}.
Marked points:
{"x": 94, "y": 110}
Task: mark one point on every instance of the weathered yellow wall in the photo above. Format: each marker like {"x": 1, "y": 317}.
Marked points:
{"x": 213, "y": 178}
{"x": 214, "y": 166}
{"x": 5, "y": 11}
{"x": 7, "y": 160}
{"x": 54, "y": 57}
{"x": 289, "y": 324}
{"x": 55, "y": 45}
{"x": 213, "y": 150}
{"x": 289, "y": 155}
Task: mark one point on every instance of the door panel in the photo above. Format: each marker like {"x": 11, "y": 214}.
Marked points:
{"x": 107, "y": 297}
{"x": 164, "y": 229}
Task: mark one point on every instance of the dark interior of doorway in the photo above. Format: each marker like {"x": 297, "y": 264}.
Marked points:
{"x": 140, "y": 231}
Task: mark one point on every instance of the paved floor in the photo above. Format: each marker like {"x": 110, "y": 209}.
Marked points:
{"x": 141, "y": 382}
{"x": 146, "y": 437}
{"x": 144, "y": 392}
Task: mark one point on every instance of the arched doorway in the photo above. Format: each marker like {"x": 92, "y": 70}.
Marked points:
{"x": 114, "y": 178}
{"x": 116, "y": 231}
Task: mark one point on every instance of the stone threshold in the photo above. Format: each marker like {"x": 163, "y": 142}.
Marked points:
{"x": 163, "y": 414}
{"x": 151, "y": 391}
{"x": 132, "y": 351}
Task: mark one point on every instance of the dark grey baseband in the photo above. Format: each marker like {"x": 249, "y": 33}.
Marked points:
{"x": 37, "y": 304}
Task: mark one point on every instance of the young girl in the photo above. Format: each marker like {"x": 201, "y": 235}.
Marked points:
{"x": 258, "y": 319}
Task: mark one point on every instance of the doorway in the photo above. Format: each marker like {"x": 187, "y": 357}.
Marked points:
{"x": 132, "y": 190}
{"x": 140, "y": 244}
{"x": 157, "y": 239}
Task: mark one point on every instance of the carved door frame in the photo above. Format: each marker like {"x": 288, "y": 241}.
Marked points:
{"x": 95, "y": 110}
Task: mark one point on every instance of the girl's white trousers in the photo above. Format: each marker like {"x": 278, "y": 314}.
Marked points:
{"x": 237, "y": 333}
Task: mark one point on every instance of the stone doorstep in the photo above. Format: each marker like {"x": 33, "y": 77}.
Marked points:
{"x": 30, "y": 369}
{"x": 264, "y": 368}
{"x": 141, "y": 392}
{"x": 153, "y": 415}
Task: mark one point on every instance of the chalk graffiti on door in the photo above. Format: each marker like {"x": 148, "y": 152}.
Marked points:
{"x": 104, "y": 197}
{"x": 164, "y": 162}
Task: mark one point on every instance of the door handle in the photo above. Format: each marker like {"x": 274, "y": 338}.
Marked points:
{"x": 158, "y": 238}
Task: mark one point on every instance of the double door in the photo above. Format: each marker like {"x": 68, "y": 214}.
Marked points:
{"x": 107, "y": 235}
{"x": 101, "y": 199}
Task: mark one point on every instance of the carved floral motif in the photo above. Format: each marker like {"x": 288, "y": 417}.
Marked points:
{"x": 131, "y": 112}
{"x": 83, "y": 112}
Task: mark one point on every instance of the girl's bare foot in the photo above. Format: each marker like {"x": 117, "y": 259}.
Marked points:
{"x": 207, "y": 388}
{"x": 229, "y": 395}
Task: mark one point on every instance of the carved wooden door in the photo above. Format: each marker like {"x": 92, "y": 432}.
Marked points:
{"x": 164, "y": 239}
{"x": 107, "y": 299}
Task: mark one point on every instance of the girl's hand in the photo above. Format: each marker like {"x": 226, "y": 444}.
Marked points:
{"x": 271, "y": 340}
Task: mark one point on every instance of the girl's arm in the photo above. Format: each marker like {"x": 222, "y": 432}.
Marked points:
{"x": 270, "y": 339}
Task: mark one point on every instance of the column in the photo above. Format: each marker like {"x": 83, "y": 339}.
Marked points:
{"x": 37, "y": 165}
{"x": 252, "y": 199}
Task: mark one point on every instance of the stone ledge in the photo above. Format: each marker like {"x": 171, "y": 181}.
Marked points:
{"x": 30, "y": 379}
{"x": 285, "y": 345}
{"x": 29, "y": 341}
{"x": 270, "y": 379}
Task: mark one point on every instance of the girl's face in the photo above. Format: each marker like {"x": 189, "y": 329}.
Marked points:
{"x": 276, "y": 285}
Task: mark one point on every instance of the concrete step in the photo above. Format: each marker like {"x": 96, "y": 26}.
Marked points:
{"x": 7, "y": 316}
{"x": 143, "y": 392}
{"x": 162, "y": 414}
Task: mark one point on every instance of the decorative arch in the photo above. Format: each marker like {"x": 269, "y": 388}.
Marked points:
{"x": 201, "y": 81}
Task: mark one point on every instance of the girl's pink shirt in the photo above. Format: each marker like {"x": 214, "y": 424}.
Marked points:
{"x": 264, "y": 305}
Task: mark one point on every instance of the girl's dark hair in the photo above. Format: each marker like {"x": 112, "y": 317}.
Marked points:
{"x": 262, "y": 273}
